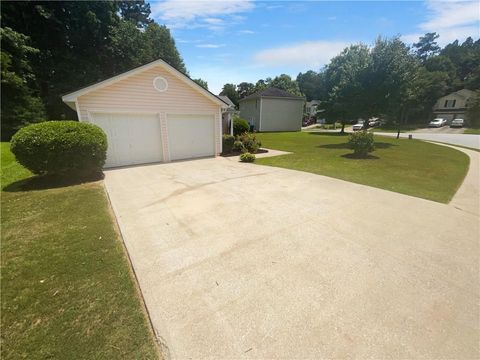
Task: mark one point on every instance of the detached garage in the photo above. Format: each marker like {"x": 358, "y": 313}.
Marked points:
{"x": 152, "y": 113}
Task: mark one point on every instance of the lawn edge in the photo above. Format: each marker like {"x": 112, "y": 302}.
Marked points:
{"x": 460, "y": 149}
{"x": 161, "y": 347}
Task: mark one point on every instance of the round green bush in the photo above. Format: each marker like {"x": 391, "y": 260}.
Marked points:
{"x": 61, "y": 148}
{"x": 247, "y": 157}
{"x": 362, "y": 143}
{"x": 240, "y": 126}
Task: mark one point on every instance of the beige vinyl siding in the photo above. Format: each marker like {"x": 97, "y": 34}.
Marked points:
{"x": 281, "y": 114}
{"x": 136, "y": 94}
{"x": 250, "y": 111}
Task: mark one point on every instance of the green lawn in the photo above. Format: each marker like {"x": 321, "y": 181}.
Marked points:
{"x": 67, "y": 291}
{"x": 409, "y": 167}
{"x": 472, "y": 131}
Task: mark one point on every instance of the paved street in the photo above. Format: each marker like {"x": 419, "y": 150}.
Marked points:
{"x": 468, "y": 140}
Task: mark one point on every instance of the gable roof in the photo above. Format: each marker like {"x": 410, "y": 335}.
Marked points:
{"x": 464, "y": 93}
{"x": 71, "y": 98}
{"x": 272, "y": 92}
{"x": 227, "y": 100}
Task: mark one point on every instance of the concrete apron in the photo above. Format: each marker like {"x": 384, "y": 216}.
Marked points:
{"x": 245, "y": 261}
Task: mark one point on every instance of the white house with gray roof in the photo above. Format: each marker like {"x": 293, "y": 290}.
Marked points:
{"x": 273, "y": 109}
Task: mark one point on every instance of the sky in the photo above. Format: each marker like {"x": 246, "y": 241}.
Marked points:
{"x": 231, "y": 41}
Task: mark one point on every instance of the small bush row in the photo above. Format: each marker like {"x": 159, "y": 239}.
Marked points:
{"x": 246, "y": 142}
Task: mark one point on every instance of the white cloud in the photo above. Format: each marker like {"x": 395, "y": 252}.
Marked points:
{"x": 213, "y": 21}
{"x": 247, "y": 32}
{"x": 184, "y": 13}
{"x": 210, "y": 46}
{"x": 452, "y": 20}
{"x": 304, "y": 54}
{"x": 411, "y": 38}
{"x": 450, "y": 14}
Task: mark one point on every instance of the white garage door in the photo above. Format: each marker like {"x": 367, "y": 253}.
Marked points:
{"x": 190, "y": 136}
{"x": 132, "y": 138}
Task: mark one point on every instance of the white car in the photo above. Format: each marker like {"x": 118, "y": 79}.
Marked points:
{"x": 358, "y": 125}
{"x": 437, "y": 123}
{"x": 457, "y": 123}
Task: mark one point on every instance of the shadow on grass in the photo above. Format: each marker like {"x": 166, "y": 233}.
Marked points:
{"x": 328, "y": 133}
{"x": 49, "y": 182}
{"x": 356, "y": 157}
{"x": 378, "y": 145}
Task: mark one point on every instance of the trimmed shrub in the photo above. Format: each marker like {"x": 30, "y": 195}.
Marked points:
{"x": 227, "y": 143}
{"x": 61, "y": 148}
{"x": 240, "y": 126}
{"x": 362, "y": 143}
{"x": 250, "y": 142}
{"x": 247, "y": 157}
{"x": 238, "y": 146}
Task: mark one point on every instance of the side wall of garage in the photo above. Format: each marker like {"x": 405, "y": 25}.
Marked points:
{"x": 137, "y": 95}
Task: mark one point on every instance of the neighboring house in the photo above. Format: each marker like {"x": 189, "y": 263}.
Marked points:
{"x": 312, "y": 110}
{"x": 152, "y": 113}
{"x": 227, "y": 115}
{"x": 273, "y": 109}
{"x": 453, "y": 105}
{"x": 311, "y": 107}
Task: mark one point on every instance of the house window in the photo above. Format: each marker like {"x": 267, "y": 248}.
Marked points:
{"x": 450, "y": 103}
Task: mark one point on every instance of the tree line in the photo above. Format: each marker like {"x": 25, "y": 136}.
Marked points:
{"x": 389, "y": 79}
{"x": 50, "y": 48}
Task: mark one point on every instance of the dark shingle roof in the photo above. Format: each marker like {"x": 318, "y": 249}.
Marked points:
{"x": 272, "y": 92}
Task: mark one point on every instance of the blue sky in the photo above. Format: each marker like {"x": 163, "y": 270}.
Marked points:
{"x": 244, "y": 40}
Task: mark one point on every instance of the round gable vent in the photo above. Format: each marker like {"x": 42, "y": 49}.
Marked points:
{"x": 160, "y": 84}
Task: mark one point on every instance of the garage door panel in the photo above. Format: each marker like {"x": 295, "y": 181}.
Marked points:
{"x": 191, "y": 136}
{"x": 132, "y": 138}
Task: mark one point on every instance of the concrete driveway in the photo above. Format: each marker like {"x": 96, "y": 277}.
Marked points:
{"x": 245, "y": 261}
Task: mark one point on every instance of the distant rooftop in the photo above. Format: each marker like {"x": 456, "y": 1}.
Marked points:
{"x": 272, "y": 92}
{"x": 227, "y": 100}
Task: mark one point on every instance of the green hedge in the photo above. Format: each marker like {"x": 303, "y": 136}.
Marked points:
{"x": 62, "y": 148}
{"x": 227, "y": 143}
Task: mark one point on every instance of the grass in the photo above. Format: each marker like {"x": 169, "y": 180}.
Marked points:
{"x": 472, "y": 131}
{"x": 66, "y": 287}
{"x": 409, "y": 167}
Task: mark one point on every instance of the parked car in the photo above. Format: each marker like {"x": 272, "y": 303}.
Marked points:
{"x": 308, "y": 121}
{"x": 358, "y": 125}
{"x": 457, "y": 123}
{"x": 437, "y": 123}
{"x": 373, "y": 122}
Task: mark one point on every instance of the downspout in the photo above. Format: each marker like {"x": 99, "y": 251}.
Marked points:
{"x": 260, "y": 117}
